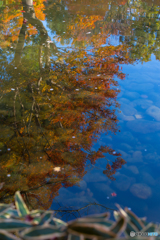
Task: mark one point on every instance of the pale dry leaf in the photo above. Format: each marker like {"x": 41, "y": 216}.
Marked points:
{"x": 1, "y": 185}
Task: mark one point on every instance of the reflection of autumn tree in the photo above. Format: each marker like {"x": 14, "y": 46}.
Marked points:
{"x": 77, "y": 26}
{"x": 57, "y": 125}
{"x": 11, "y": 18}
{"x": 138, "y": 26}
{"x": 54, "y": 107}
{"x": 136, "y": 23}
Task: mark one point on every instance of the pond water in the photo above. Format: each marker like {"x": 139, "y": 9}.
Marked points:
{"x": 80, "y": 105}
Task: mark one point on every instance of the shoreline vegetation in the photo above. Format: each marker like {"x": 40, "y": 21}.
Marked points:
{"x": 18, "y": 223}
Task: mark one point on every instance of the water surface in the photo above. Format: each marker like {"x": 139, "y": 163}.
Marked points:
{"x": 80, "y": 105}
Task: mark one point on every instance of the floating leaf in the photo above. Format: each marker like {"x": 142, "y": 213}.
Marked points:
{"x": 20, "y": 205}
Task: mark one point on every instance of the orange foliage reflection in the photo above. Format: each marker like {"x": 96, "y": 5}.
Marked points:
{"x": 59, "y": 105}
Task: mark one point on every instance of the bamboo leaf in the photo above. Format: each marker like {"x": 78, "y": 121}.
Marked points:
{"x": 92, "y": 218}
{"x": 13, "y": 224}
{"x": 130, "y": 227}
{"x": 73, "y": 237}
{"x": 59, "y": 222}
{"x": 116, "y": 215}
{"x": 7, "y": 236}
{"x": 36, "y": 213}
{"x": 42, "y": 233}
{"x": 91, "y": 230}
{"x": 46, "y": 217}
{"x": 151, "y": 227}
{"x": 52, "y": 223}
{"x": 119, "y": 226}
{"x": 12, "y": 213}
{"x": 20, "y": 205}
{"x": 134, "y": 219}
{"x": 143, "y": 220}
{"x": 5, "y": 216}
{"x": 4, "y": 208}
{"x": 99, "y": 218}
{"x": 37, "y": 216}
{"x": 105, "y": 215}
